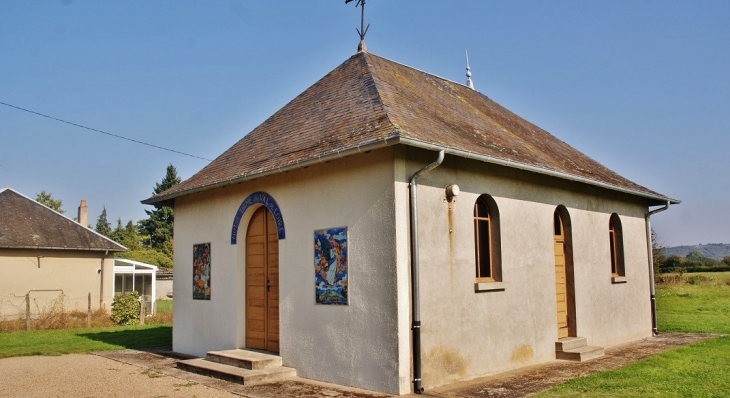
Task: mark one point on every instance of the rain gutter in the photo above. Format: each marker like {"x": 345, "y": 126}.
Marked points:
{"x": 649, "y": 250}
{"x": 394, "y": 139}
{"x": 534, "y": 169}
{"x": 85, "y": 249}
{"x": 362, "y": 147}
{"x": 415, "y": 285}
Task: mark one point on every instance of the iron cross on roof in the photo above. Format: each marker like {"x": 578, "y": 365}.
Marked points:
{"x": 363, "y": 29}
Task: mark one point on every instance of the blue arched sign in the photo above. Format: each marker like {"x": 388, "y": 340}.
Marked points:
{"x": 262, "y": 198}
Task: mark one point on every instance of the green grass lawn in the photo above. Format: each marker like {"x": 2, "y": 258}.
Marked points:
{"x": 67, "y": 341}
{"x": 697, "y": 370}
{"x": 163, "y": 306}
{"x": 703, "y": 306}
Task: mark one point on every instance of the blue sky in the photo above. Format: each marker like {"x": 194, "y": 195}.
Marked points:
{"x": 642, "y": 87}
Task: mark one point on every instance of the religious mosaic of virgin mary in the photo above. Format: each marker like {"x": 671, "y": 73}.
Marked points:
{"x": 201, "y": 271}
{"x": 330, "y": 266}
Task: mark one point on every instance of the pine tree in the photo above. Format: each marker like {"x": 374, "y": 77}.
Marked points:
{"x": 47, "y": 200}
{"x": 157, "y": 229}
{"x": 118, "y": 233}
{"x": 126, "y": 236}
{"x": 171, "y": 179}
{"x": 102, "y": 225}
{"x": 131, "y": 238}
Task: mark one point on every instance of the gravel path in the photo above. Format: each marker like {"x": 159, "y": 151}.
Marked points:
{"x": 82, "y": 375}
{"x": 140, "y": 374}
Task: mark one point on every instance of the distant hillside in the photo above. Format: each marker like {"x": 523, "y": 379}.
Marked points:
{"x": 716, "y": 251}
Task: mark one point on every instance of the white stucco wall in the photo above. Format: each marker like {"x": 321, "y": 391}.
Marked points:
{"x": 74, "y": 272}
{"x": 355, "y": 345}
{"x": 467, "y": 334}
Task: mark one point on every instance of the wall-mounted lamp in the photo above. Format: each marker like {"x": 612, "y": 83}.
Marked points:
{"x": 452, "y": 191}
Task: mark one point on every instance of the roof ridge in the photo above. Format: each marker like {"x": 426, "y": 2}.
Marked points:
{"x": 424, "y": 72}
{"x": 378, "y": 87}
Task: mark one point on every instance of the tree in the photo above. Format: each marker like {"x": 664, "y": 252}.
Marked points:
{"x": 47, "y": 200}
{"x": 157, "y": 229}
{"x": 695, "y": 255}
{"x": 127, "y": 236}
{"x": 102, "y": 225}
{"x": 657, "y": 253}
{"x": 171, "y": 179}
{"x": 131, "y": 238}
{"x": 674, "y": 263}
{"x": 148, "y": 256}
{"x": 118, "y": 232}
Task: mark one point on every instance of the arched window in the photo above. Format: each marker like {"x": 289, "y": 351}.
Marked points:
{"x": 616, "y": 240}
{"x": 486, "y": 240}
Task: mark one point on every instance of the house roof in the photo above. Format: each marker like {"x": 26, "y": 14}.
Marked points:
{"x": 369, "y": 102}
{"x": 27, "y": 224}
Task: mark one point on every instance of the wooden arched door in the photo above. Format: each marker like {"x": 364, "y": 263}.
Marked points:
{"x": 564, "y": 281}
{"x": 262, "y": 282}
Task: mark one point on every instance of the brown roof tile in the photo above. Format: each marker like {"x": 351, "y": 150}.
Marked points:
{"x": 25, "y": 223}
{"x": 369, "y": 100}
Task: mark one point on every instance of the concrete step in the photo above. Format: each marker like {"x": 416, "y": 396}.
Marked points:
{"x": 245, "y": 359}
{"x": 235, "y": 374}
{"x": 569, "y": 343}
{"x": 580, "y": 354}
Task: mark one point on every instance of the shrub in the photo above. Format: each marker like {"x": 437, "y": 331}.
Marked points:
{"x": 668, "y": 278}
{"x": 698, "y": 279}
{"x": 125, "y": 309}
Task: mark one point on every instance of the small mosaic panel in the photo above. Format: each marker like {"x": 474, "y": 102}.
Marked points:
{"x": 201, "y": 271}
{"x": 330, "y": 266}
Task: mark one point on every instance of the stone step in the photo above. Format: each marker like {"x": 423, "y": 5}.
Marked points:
{"x": 580, "y": 354}
{"x": 245, "y": 359}
{"x": 235, "y": 374}
{"x": 569, "y": 343}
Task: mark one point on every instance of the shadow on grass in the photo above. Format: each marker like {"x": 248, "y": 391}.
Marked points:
{"x": 142, "y": 337}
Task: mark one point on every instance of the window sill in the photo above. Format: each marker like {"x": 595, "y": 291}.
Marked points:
{"x": 618, "y": 279}
{"x": 489, "y": 286}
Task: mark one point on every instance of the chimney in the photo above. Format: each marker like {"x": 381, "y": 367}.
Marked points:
{"x": 83, "y": 214}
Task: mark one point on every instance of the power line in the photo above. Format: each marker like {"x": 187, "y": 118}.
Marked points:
{"x": 103, "y": 132}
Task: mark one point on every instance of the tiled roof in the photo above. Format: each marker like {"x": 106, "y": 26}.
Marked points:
{"x": 164, "y": 273}
{"x": 25, "y": 223}
{"x": 369, "y": 101}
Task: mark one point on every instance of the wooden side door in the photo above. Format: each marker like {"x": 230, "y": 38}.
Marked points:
{"x": 561, "y": 286}
{"x": 262, "y": 282}
{"x": 272, "y": 287}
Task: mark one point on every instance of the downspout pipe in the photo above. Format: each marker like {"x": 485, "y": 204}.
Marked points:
{"x": 415, "y": 287}
{"x": 650, "y": 252}
{"x": 101, "y": 276}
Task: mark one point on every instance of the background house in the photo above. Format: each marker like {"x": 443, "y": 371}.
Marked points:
{"x": 52, "y": 258}
{"x": 303, "y": 237}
